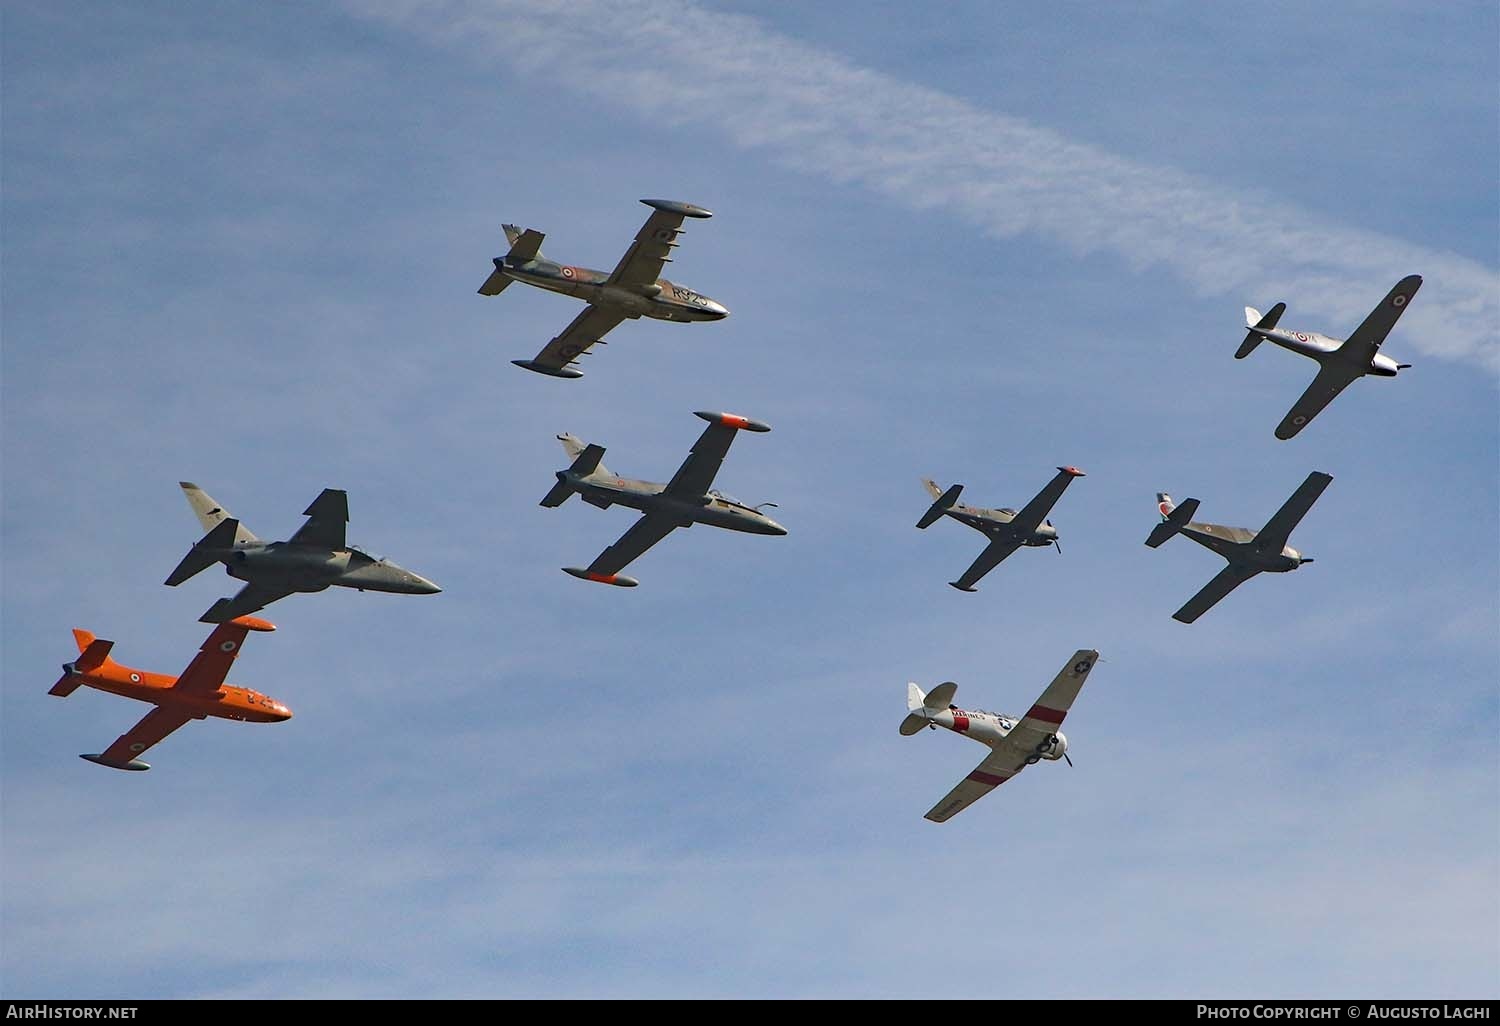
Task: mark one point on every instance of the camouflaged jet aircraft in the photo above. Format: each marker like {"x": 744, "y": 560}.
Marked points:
{"x": 684, "y": 501}
{"x": 199, "y": 693}
{"x": 1340, "y": 362}
{"x": 314, "y": 558}
{"x": 1015, "y": 743}
{"x": 1006, "y": 529}
{"x": 631, "y": 290}
{"x": 1248, "y": 552}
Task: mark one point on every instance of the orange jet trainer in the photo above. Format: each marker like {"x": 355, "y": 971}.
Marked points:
{"x": 199, "y": 693}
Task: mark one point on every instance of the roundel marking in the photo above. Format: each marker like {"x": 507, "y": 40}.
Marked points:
{"x": 1082, "y": 666}
{"x": 227, "y": 646}
{"x": 568, "y": 272}
{"x": 135, "y": 678}
{"x": 570, "y": 350}
{"x": 1398, "y": 301}
{"x": 1299, "y": 420}
{"x": 665, "y": 234}
{"x": 1301, "y": 337}
{"x": 1165, "y": 509}
{"x": 138, "y": 747}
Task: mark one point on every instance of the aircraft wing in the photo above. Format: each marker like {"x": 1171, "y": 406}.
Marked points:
{"x": 643, "y": 534}
{"x": 1035, "y": 511}
{"x": 247, "y": 600}
{"x": 154, "y": 726}
{"x": 1047, "y": 712}
{"x": 210, "y": 666}
{"x": 1373, "y": 329}
{"x": 1273, "y": 537}
{"x": 1228, "y": 579}
{"x": 1332, "y": 379}
{"x": 990, "y": 558}
{"x": 651, "y": 250}
{"x": 327, "y": 517}
{"x": 696, "y": 475}
{"x": 587, "y": 328}
{"x": 998, "y": 767}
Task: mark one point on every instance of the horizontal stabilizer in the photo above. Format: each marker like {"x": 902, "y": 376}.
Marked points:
{"x": 1257, "y": 323}
{"x": 940, "y": 697}
{"x": 133, "y": 764}
{"x": 556, "y": 372}
{"x": 559, "y": 494}
{"x": 912, "y": 724}
{"x": 618, "y": 580}
{"x": 206, "y": 552}
{"x": 588, "y": 461}
{"x": 1176, "y": 520}
{"x": 495, "y": 283}
{"x": 95, "y": 656}
{"x": 937, "y": 509}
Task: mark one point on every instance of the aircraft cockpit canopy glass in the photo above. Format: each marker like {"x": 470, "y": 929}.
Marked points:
{"x": 721, "y": 496}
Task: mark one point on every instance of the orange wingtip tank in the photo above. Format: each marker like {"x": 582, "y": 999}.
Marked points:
{"x": 618, "y": 580}
{"x": 253, "y": 623}
{"x": 1071, "y": 471}
{"x": 733, "y": 420}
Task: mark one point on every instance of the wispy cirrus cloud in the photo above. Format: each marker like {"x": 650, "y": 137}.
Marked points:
{"x": 817, "y": 112}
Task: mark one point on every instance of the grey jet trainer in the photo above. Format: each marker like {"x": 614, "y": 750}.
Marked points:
{"x": 1340, "y": 362}
{"x": 314, "y": 558}
{"x": 686, "y": 500}
{"x": 1248, "y": 552}
{"x": 1006, "y": 529}
{"x": 633, "y": 289}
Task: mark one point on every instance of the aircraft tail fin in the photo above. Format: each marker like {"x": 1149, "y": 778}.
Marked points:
{"x": 915, "y": 720}
{"x": 92, "y": 654}
{"x": 524, "y": 246}
{"x": 575, "y": 448}
{"x": 1258, "y": 322}
{"x": 205, "y": 552}
{"x": 586, "y": 460}
{"x": 209, "y": 513}
{"x": 942, "y": 502}
{"x": 1173, "y": 518}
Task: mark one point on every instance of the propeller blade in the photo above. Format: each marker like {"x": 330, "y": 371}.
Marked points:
{"x": 1065, "y": 756}
{"x": 1059, "y": 546}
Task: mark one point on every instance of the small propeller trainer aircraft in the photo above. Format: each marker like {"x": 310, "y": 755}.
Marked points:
{"x": 631, "y": 290}
{"x": 199, "y": 693}
{"x": 1014, "y": 743}
{"x": 684, "y": 501}
{"x": 1340, "y": 362}
{"x": 1006, "y": 529}
{"x": 1248, "y": 552}
{"x": 314, "y": 558}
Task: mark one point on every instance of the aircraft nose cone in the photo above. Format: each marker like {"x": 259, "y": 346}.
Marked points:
{"x": 772, "y": 527}
{"x": 422, "y": 586}
{"x": 717, "y": 309}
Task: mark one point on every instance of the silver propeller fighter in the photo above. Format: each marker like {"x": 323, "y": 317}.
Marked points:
{"x": 686, "y": 500}
{"x": 315, "y": 558}
{"x": 1339, "y": 362}
{"x": 632, "y": 290}
{"x": 1247, "y": 552}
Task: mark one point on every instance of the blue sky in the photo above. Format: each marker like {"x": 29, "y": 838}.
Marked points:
{"x": 241, "y": 246}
